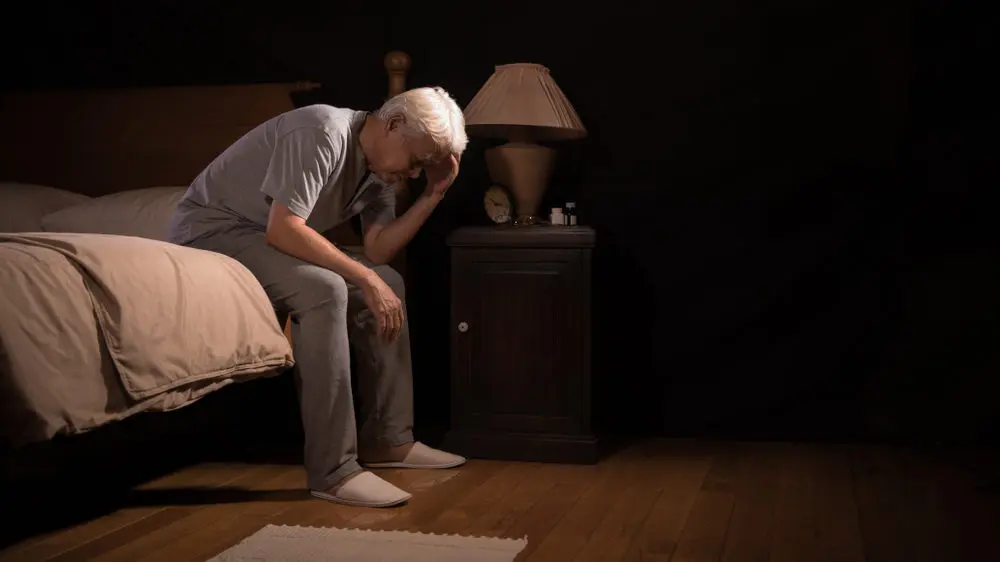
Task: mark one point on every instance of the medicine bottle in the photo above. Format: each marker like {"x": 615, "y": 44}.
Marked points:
{"x": 571, "y": 213}
{"x": 557, "y": 217}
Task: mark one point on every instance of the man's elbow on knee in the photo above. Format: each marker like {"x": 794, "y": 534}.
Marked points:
{"x": 271, "y": 236}
{"x": 373, "y": 251}
{"x": 376, "y": 258}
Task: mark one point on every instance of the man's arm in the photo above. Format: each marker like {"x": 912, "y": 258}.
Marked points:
{"x": 383, "y": 238}
{"x": 289, "y": 233}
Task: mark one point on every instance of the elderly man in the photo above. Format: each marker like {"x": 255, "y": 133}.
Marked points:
{"x": 265, "y": 202}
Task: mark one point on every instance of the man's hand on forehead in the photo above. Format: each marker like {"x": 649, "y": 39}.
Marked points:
{"x": 441, "y": 174}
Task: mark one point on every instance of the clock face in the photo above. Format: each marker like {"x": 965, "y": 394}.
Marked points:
{"x": 497, "y": 203}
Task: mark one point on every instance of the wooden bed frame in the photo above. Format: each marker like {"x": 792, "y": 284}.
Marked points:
{"x": 101, "y": 141}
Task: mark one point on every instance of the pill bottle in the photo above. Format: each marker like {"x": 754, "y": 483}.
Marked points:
{"x": 571, "y": 213}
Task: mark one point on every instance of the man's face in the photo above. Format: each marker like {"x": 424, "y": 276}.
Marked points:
{"x": 397, "y": 155}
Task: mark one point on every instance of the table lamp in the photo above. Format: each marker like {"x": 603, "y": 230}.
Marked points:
{"x": 522, "y": 104}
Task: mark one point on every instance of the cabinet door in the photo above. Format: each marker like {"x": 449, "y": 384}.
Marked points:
{"x": 520, "y": 335}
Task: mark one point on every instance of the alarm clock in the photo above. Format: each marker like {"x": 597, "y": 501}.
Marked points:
{"x": 498, "y": 205}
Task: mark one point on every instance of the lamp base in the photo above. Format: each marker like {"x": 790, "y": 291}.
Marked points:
{"x": 524, "y": 168}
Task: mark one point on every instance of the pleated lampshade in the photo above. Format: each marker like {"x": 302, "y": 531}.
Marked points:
{"x": 522, "y": 99}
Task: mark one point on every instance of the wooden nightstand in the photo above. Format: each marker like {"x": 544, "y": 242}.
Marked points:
{"x": 520, "y": 334}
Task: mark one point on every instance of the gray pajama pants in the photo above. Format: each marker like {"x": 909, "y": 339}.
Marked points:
{"x": 328, "y": 317}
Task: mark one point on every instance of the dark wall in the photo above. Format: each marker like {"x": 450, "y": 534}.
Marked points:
{"x": 741, "y": 171}
{"x": 784, "y": 247}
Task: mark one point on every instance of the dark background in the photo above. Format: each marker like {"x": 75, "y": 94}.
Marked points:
{"x": 793, "y": 237}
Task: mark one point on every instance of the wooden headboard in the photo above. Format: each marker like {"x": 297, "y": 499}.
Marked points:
{"x": 103, "y": 141}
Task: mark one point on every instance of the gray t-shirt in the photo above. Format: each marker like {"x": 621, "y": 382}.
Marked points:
{"x": 309, "y": 159}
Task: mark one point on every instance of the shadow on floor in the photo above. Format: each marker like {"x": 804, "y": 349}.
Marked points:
{"x": 58, "y": 485}
{"x": 199, "y": 496}
{"x": 46, "y": 506}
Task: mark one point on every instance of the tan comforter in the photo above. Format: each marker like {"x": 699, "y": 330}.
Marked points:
{"x": 94, "y": 328}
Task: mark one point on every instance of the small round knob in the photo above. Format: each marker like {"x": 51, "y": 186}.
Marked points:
{"x": 396, "y": 61}
{"x": 463, "y": 327}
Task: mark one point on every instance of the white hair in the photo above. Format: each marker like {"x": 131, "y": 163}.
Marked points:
{"x": 430, "y": 111}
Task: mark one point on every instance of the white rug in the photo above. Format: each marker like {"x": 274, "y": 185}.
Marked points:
{"x": 282, "y": 543}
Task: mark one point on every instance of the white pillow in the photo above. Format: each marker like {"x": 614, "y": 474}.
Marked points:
{"x": 23, "y": 205}
{"x": 141, "y": 212}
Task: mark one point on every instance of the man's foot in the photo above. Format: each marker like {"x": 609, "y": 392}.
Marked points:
{"x": 363, "y": 489}
{"x": 412, "y": 455}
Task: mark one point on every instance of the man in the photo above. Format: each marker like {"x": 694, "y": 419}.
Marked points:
{"x": 267, "y": 200}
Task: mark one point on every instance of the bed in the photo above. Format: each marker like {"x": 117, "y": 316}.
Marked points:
{"x": 100, "y": 317}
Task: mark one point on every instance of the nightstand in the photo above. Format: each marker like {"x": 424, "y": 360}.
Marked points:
{"x": 520, "y": 336}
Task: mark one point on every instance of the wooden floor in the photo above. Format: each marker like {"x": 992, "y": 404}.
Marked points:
{"x": 658, "y": 500}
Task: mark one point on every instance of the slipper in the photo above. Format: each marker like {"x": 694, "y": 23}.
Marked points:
{"x": 365, "y": 490}
{"x": 421, "y": 456}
